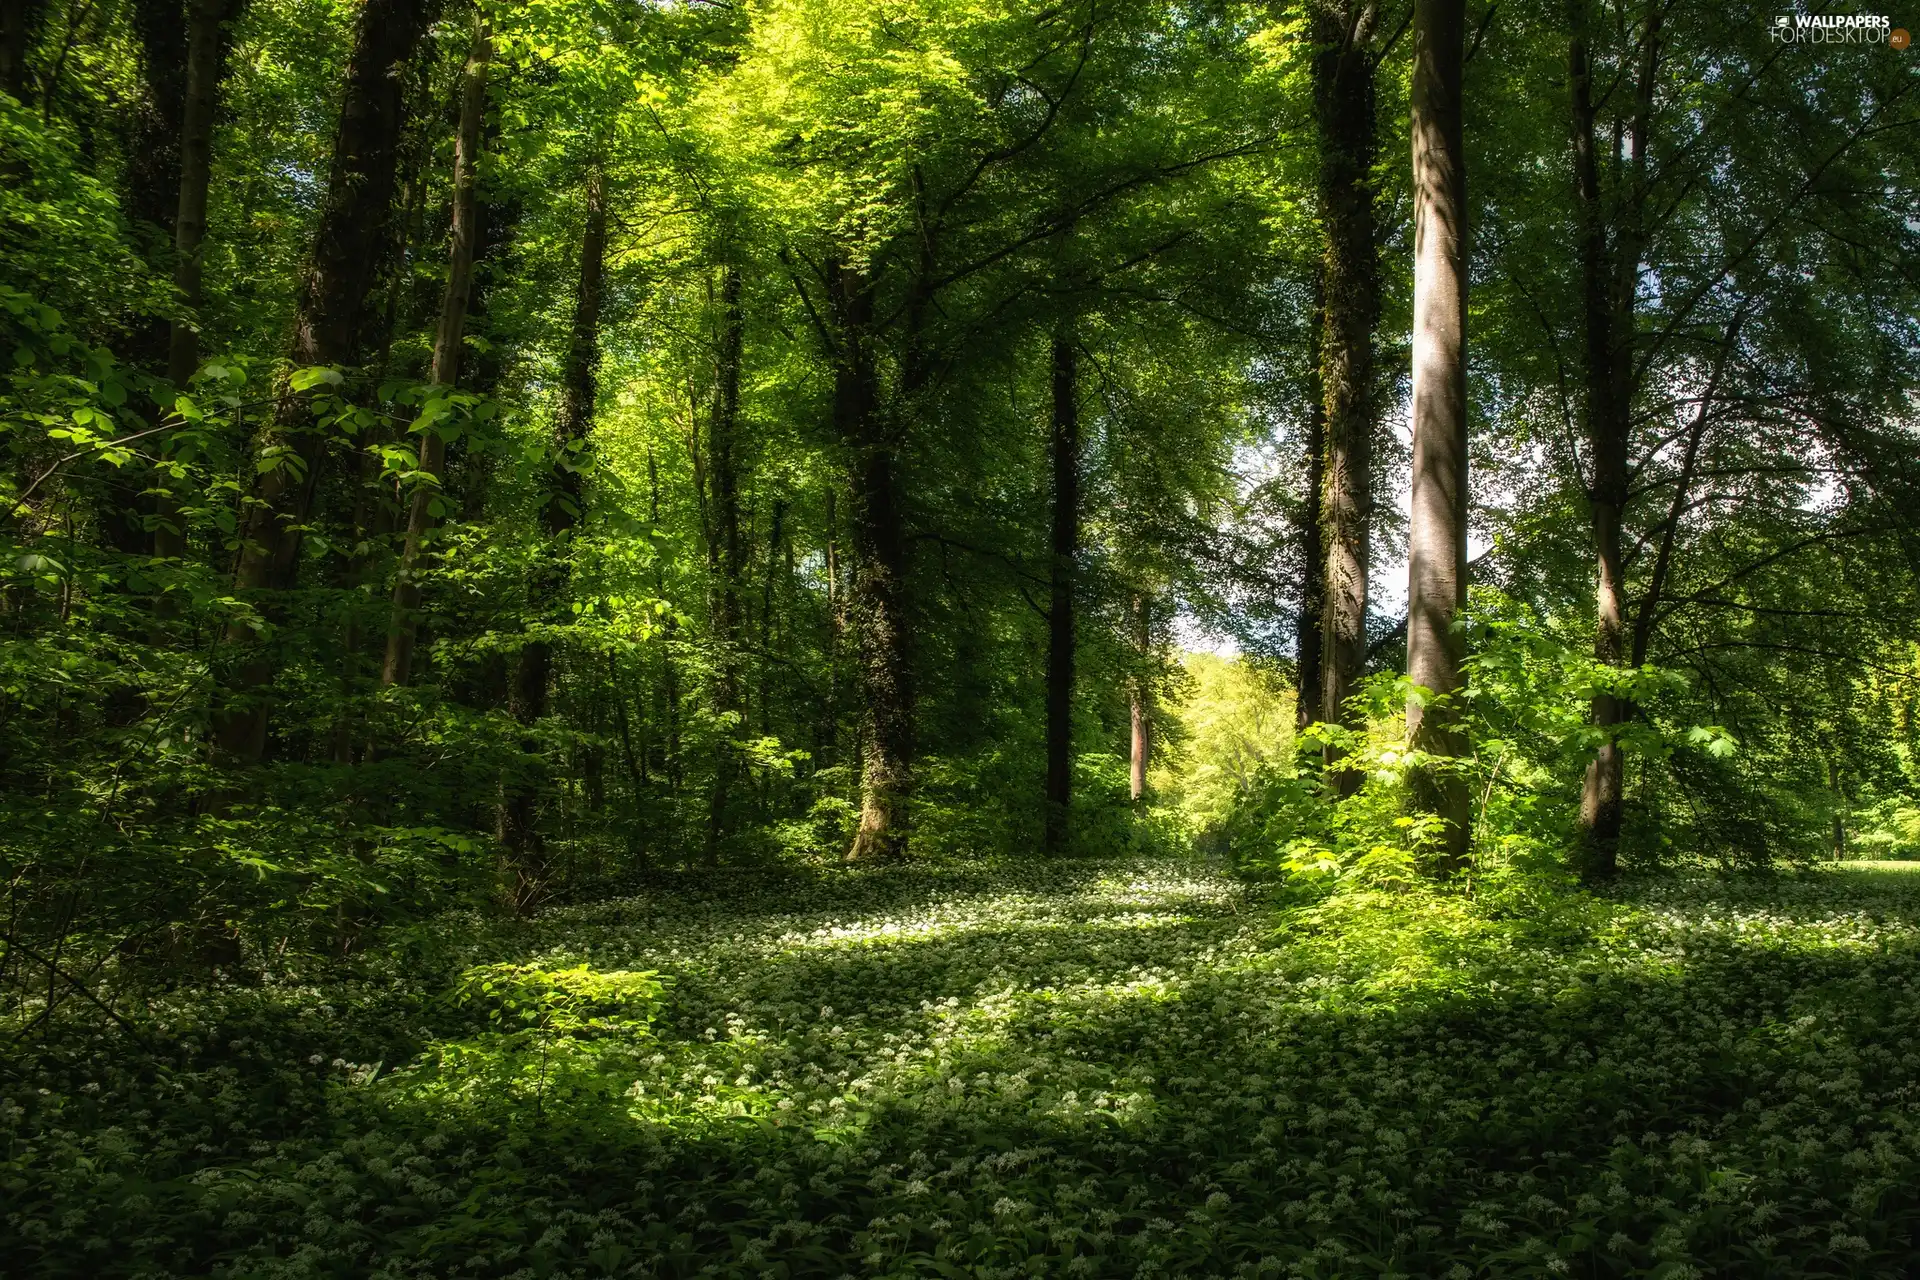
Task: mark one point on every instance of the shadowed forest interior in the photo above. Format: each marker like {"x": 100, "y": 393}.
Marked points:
{"x": 959, "y": 637}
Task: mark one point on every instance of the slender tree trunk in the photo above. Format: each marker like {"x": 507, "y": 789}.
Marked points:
{"x": 449, "y": 338}
{"x": 1437, "y": 540}
{"x": 878, "y": 595}
{"x": 769, "y": 599}
{"x": 1139, "y": 714}
{"x": 196, "y": 169}
{"x": 669, "y": 686}
{"x": 1606, "y": 428}
{"x": 153, "y": 120}
{"x": 636, "y": 762}
{"x": 828, "y": 753}
{"x": 1609, "y": 281}
{"x": 190, "y": 227}
{"x": 327, "y": 329}
{"x": 572, "y": 430}
{"x": 1350, "y": 280}
{"x": 1064, "y": 446}
{"x": 1310, "y": 677}
{"x": 725, "y": 558}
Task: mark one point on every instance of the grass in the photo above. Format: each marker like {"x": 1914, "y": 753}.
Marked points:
{"x": 1100, "y": 1069}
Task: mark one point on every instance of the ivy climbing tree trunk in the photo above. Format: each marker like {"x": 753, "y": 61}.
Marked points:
{"x": 877, "y": 598}
{"x": 1343, "y": 95}
{"x": 528, "y": 693}
{"x": 403, "y": 627}
{"x": 725, "y": 557}
{"x": 1437, "y": 538}
{"x": 326, "y": 331}
{"x": 1064, "y": 449}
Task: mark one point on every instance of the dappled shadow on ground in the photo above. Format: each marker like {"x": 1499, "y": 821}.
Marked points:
{"x": 1126, "y": 1073}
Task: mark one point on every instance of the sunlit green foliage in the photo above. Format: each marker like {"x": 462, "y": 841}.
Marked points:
{"x": 419, "y": 980}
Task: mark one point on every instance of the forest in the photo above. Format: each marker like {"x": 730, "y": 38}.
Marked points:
{"x": 775, "y": 638}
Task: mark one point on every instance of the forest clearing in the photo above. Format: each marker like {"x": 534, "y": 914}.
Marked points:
{"x": 994, "y": 638}
{"x": 1079, "y": 1068}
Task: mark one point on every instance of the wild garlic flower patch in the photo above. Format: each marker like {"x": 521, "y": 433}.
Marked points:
{"x": 1120, "y": 1069}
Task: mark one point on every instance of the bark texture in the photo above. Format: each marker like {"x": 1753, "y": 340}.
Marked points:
{"x": 1064, "y": 448}
{"x": 449, "y": 339}
{"x": 327, "y": 330}
{"x": 1437, "y": 539}
{"x": 1343, "y": 72}
{"x": 877, "y": 597}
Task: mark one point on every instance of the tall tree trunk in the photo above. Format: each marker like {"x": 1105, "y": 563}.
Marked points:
{"x": 827, "y": 752}
{"x": 153, "y": 161}
{"x": 153, "y": 117}
{"x": 878, "y": 594}
{"x": 1437, "y": 540}
{"x": 725, "y": 557}
{"x": 1138, "y": 712}
{"x": 374, "y": 513}
{"x": 449, "y": 338}
{"x": 1609, "y": 282}
{"x": 769, "y": 604}
{"x": 190, "y": 226}
{"x": 1343, "y": 73}
{"x": 1309, "y": 643}
{"x": 327, "y": 330}
{"x": 196, "y": 170}
{"x": 572, "y": 429}
{"x": 19, "y": 31}
{"x": 1064, "y": 445}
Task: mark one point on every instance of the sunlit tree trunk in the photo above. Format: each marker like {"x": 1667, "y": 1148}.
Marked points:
{"x": 1064, "y": 449}
{"x": 528, "y": 693}
{"x": 1437, "y": 538}
{"x": 326, "y": 331}
{"x": 1139, "y": 712}
{"x": 1350, "y": 280}
{"x": 877, "y": 598}
{"x": 725, "y": 557}
{"x": 448, "y": 339}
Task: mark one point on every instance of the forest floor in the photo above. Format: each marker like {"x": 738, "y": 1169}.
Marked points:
{"x": 1110, "y": 1068}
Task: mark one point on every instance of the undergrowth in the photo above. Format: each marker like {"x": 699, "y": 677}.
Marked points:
{"x": 1119, "y": 1068}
